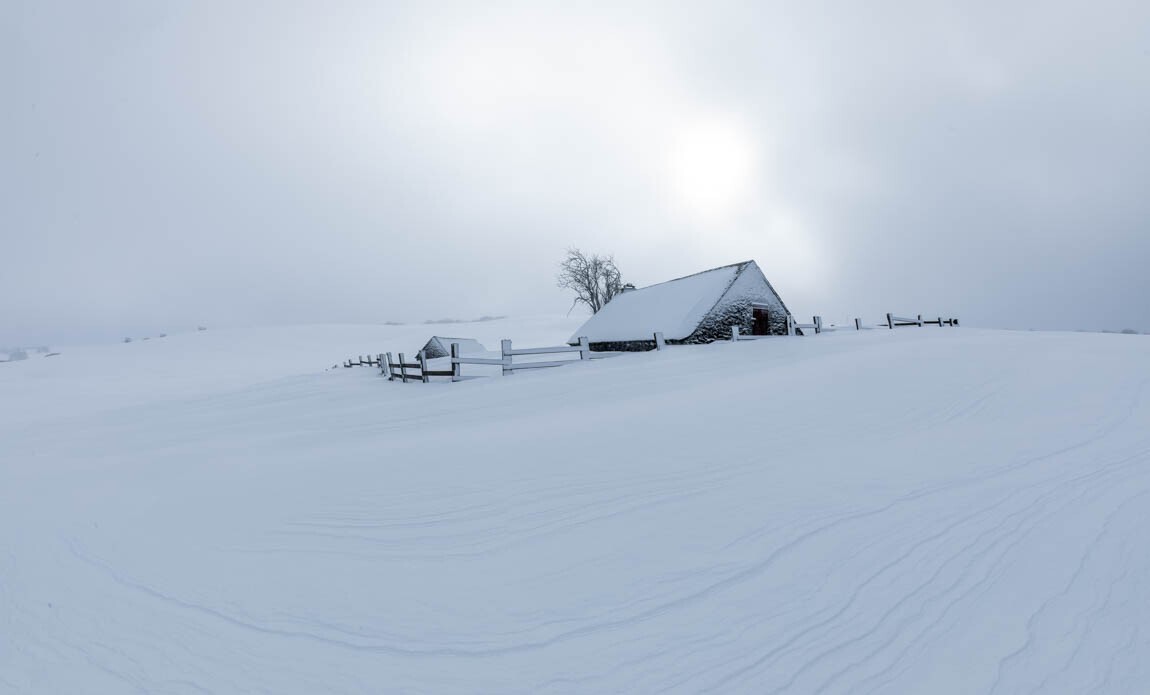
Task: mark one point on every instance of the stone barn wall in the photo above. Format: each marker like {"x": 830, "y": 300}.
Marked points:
{"x": 624, "y": 346}
{"x": 735, "y": 308}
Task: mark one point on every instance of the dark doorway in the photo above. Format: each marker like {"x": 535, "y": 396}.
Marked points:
{"x": 762, "y": 323}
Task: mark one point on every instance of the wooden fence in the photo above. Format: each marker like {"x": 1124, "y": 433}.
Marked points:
{"x": 893, "y": 321}
{"x": 361, "y": 362}
{"x": 414, "y": 371}
{"x": 418, "y": 370}
{"x": 818, "y": 326}
{"x": 793, "y": 327}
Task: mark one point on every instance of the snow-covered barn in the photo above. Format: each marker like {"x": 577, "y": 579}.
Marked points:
{"x": 698, "y": 308}
{"x": 440, "y": 346}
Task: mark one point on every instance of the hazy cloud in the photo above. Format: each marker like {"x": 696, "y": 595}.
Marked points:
{"x": 168, "y": 164}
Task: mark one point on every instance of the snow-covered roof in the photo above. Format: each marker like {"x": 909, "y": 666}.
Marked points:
{"x": 674, "y": 307}
{"x": 440, "y": 346}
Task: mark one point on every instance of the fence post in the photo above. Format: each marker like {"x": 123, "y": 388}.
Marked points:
{"x": 858, "y": 324}
{"x": 790, "y": 325}
{"x": 505, "y": 346}
{"x": 659, "y": 342}
{"x": 382, "y": 366}
{"x": 920, "y": 320}
{"x": 423, "y": 367}
{"x": 403, "y": 367}
{"x": 889, "y": 321}
{"x": 734, "y": 334}
{"x": 818, "y": 320}
{"x": 390, "y": 368}
{"x": 954, "y": 322}
{"x": 584, "y": 347}
{"x": 456, "y": 368}
{"x": 940, "y": 322}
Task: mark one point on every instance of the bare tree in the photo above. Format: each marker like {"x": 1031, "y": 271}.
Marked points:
{"x": 593, "y": 278}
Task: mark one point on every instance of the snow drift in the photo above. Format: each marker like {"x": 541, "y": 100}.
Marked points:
{"x": 924, "y": 510}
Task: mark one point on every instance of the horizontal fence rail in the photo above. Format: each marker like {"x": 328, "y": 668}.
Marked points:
{"x": 583, "y": 348}
{"x": 426, "y": 373}
{"x": 418, "y": 371}
{"x": 893, "y": 321}
{"x": 815, "y": 325}
{"x": 818, "y": 326}
{"x": 508, "y": 352}
{"x": 370, "y": 361}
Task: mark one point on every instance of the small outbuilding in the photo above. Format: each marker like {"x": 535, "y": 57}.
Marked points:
{"x": 699, "y": 308}
{"x": 440, "y": 346}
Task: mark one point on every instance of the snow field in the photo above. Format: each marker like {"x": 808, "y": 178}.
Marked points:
{"x": 923, "y": 510}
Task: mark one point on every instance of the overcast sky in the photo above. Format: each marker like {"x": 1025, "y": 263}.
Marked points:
{"x": 167, "y": 164}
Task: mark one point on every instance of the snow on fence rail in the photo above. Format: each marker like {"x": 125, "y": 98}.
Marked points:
{"x": 818, "y": 327}
{"x": 418, "y": 370}
{"x": 361, "y": 362}
{"x": 893, "y": 321}
{"x": 815, "y": 325}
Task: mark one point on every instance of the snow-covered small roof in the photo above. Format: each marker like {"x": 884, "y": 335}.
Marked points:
{"x": 440, "y": 346}
{"x": 673, "y": 308}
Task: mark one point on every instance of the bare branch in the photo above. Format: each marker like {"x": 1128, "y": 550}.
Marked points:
{"x": 594, "y": 279}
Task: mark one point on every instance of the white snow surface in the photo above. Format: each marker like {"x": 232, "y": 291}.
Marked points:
{"x": 913, "y": 511}
{"x": 673, "y": 308}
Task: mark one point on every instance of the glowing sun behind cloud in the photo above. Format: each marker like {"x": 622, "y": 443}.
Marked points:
{"x": 713, "y": 167}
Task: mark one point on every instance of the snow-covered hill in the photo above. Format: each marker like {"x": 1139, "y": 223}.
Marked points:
{"x": 917, "y": 511}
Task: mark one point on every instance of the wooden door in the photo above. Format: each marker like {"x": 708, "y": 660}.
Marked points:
{"x": 762, "y": 323}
